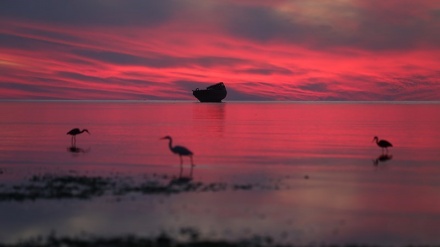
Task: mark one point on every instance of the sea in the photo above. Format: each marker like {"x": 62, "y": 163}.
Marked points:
{"x": 292, "y": 173}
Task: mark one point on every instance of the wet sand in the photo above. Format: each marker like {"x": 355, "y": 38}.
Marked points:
{"x": 201, "y": 206}
{"x": 116, "y": 188}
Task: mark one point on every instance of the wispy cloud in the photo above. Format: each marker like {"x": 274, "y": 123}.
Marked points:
{"x": 262, "y": 50}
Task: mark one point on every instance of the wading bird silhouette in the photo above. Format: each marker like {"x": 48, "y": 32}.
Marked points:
{"x": 180, "y": 150}
{"x": 384, "y": 144}
{"x": 74, "y": 132}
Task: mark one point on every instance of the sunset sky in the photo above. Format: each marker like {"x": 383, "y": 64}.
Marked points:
{"x": 261, "y": 49}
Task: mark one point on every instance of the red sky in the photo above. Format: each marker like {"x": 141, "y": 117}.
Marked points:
{"x": 262, "y": 50}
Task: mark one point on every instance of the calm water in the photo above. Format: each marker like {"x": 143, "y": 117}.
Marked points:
{"x": 321, "y": 178}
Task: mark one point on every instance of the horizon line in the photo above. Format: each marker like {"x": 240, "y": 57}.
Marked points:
{"x": 232, "y": 101}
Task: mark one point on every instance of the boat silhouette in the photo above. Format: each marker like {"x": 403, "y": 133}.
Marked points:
{"x": 213, "y": 93}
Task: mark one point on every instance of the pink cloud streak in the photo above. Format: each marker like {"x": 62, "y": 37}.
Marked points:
{"x": 167, "y": 59}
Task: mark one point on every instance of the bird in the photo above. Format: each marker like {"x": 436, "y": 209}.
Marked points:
{"x": 180, "y": 150}
{"x": 74, "y": 132}
{"x": 384, "y": 144}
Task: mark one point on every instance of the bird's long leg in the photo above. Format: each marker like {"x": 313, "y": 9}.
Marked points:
{"x": 191, "y": 172}
{"x": 181, "y": 171}
{"x": 192, "y": 162}
{"x": 181, "y": 160}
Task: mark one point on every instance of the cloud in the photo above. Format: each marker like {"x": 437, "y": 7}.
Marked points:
{"x": 259, "y": 24}
{"x": 266, "y": 70}
{"x": 156, "y": 60}
{"x": 370, "y": 25}
{"x": 95, "y": 12}
{"x": 315, "y": 87}
{"x": 364, "y": 24}
{"x": 282, "y": 50}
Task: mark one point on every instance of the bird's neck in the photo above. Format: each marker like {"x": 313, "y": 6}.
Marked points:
{"x": 170, "y": 143}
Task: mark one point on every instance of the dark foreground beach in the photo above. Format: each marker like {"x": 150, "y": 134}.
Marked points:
{"x": 265, "y": 174}
{"x": 158, "y": 192}
{"x": 116, "y": 188}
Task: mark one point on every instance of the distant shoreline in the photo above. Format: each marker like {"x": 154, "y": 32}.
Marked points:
{"x": 410, "y": 102}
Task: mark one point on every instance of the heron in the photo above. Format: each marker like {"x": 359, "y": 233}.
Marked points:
{"x": 384, "y": 144}
{"x": 76, "y": 131}
{"x": 180, "y": 150}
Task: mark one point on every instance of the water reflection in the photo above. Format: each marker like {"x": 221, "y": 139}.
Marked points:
{"x": 74, "y": 149}
{"x": 382, "y": 158}
{"x": 258, "y": 142}
{"x": 183, "y": 179}
{"x": 209, "y": 111}
{"x": 210, "y": 117}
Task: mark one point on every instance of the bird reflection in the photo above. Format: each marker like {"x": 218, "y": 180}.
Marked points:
{"x": 75, "y": 149}
{"x": 382, "y": 158}
{"x": 183, "y": 179}
{"x": 180, "y": 150}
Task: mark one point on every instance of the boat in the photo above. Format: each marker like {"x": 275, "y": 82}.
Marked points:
{"x": 213, "y": 93}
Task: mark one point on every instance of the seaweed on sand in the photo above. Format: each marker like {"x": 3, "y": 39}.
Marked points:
{"x": 191, "y": 238}
{"x": 58, "y": 187}
{"x": 51, "y": 186}
{"x": 162, "y": 240}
